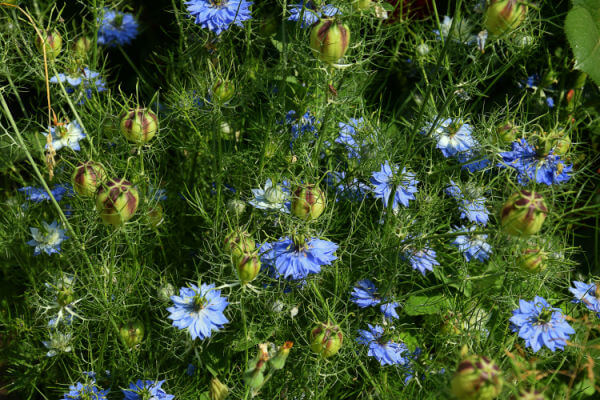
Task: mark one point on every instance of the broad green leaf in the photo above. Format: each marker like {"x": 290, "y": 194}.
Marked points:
{"x": 423, "y": 305}
{"x": 582, "y": 27}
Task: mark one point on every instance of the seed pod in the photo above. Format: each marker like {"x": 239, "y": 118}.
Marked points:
{"x": 278, "y": 361}
{"x": 504, "y": 15}
{"x": 132, "y": 333}
{"x": 52, "y": 41}
{"x": 326, "y": 339}
{"x": 247, "y": 266}
{"x": 156, "y": 215}
{"x": 236, "y": 207}
{"x": 117, "y": 201}
{"x": 329, "y": 40}
{"x": 217, "y": 389}
{"x": 524, "y": 213}
{"x": 507, "y": 132}
{"x": 223, "y": 91}
{"x": 238, "y": 242}
{"x": 530, "y": 394}
{"x": 82, "y": 45}
{"x": 254, "y": 375}
{"x": 477, "y": 378}
{"x": 532, "y": 260}
{"x": 362, "y": 5}
{"x": 308, "y": 202}
{"x": 87, "y": 177}
{"x": 139, "y": 125}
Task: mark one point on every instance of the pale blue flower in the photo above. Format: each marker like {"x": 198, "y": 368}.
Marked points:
{"x": 47, "y": 239}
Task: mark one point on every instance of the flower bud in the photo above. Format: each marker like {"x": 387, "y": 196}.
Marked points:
{"x": 247, "y": 265}
{"x": 326, "y": 339}
{"x": 308, "y": 202}
{"x": 524, "y": 213}
{"x": 477, "y": 378}
{"x": 65, "y": 295}
{"x": 504, "y": 15}
{"x": 156, "y": 215}
{"x": 117, "y": 201}
{"x": 217, "y": 390}
{"x": 87, "y": 177}
{"x": 530, "y": 394}
{"x": 278, "y": 361}
{"x": 562, "y": 144}
{"x": 139, "y": 125}
{"x": 254, "y": 375}
{"x": 223, "y": 91}
{"x": 132, "y": 333}
{"x": 532, "y": 260}
{"x": 329, "y": 40}
{"x": 362, "y": 5}
{"x": 165, "y": 292}
{"x": 236, "y": 207}
{"x": 52, "y": 41}
{"x": 238, "y": 242}
{"x": 507, "y": 132}
{"x": 82, "y": 45}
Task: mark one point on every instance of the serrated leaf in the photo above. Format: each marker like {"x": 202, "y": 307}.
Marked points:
{"x": 583, "y": 33}
{"x": 424, "y": 305}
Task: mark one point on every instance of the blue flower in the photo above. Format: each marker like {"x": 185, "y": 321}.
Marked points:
{"x": 364, "y": 294}
{"x": 388, "y": 179}
{"x": 309, "y": 13}
{"x": 37, "y": 195}
{"x": 353, "y": 190}
{"x": 389, "y": 310}
{"x": 218, "y": 15}
{"x": 200, "y": 310}
{"x": 116, "y": 28}
{"x": 533, "y": 82}
{"x": 347, "y": 136}
{"x": 296, "y": 259}
{"x": 67, "y": 135}
{"x": 453, "y": 136}
{"x": 531, "y": 166}
{"x": 541, "y": 325}
{"x": 272, "y": 197}
{"x": 472, "y": 246}
{"x": 58, "y": 343}
{"x": 306, "y": 123}
{"x": 586, "y": 293}
{"x": 421, "y": 260}
{"x": 85, "y": 391}
{"x": 471, "y": 205}
{"x": 387, "y": 353}
{"x": 142, "y": 390}
{"x": 48, "y": 240}
{"x": 82, "y": 83}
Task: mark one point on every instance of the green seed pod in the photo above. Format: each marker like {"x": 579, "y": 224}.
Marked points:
{"x": 504, "y": 15}
{"x": 329, "y": 40}
{"x": 117, "y": 201}
{"x": 222, "y": 91}
{"x": 507, "y": 132}
{"x": 524, "y": 213}
{"x": 532, "y": 260}
{"x": 132, "y": 333}
{"x": 217, "y": 390}
{"x": 477, "y": 378}
{"x": 254, "y": 375}
{"x": 236, "y": 207}
{"x": 156, "y": 215}
{"x": 82, "y": 46}
{"x": 52, "y": 41}
{"x": 530, "y": 394}
{"x": 326, "y": 339}
{"x": 561, "y": 142}
{"x": 238, "y": 242}
{"x": 87, "y": 177}
{"x": 362, "y": 5}
{"x": 308, "y": 202}
{"x": 139, "y": 125}
{"x": 278, "y": 361}
{"x": 247, "y": 266}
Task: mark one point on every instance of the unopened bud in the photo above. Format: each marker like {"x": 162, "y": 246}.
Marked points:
{"x": 238, "y": 242}
{"x": 132, "y": 333}
{"x": 217, "y": 390}
{"x": 504, "y": 15}
{"x": 223, "y": 91}
{"x": 278, "y": 361}
{"x": 477, "y": 378}
{"x": 51, "y": 41}
{"x": 247, "y": 266}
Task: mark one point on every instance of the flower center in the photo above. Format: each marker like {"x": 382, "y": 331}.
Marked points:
{"x": 218, "y": 3}
{"x": 63, "y": 132}
{"x": 117, "y": 21}
{"x": 274, "y": 194}
{"x": 545, "y": 316}
{"x": 199, "y": 302}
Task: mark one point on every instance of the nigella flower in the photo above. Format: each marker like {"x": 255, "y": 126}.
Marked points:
{"x": 347, "y": 136}
{"x": 531, "y": 166}
{"x": 364, "y": 294}
{"x": 37, "y": 195}
{"x": 142, "y": 390}
{"x": 67, "y": 135}
{"x": 218, "y": 15}
{"x": 85, "y": 391}
{"x": 353, "y": 190}
{"x": 309, "y": 13}
{"x": 541, "y": 325}
{"x": 538, "y": 87}
{"x": 47, "y": 240}
{"x": 155, "y": 194}
{"x": 473, "y": 246}
{"x": 388, "y": 179}
{"x": 386, "y": 352}
{"x": 470, "y": 204}
{"x": 586, "y": 293}
{"x": 453, "y": 136}
{"x": 306, "y": 123}
{"x": 389, "y": 310}
{"x": 422, "y": 259}
{"x": 58, "y": 343}
{"x": 272, "y": 197}
{"x": 116, "y": 28}
{"x": 199, "y": 310}
{"x": 81, "y": 83}
{"x": 296, "y": 259}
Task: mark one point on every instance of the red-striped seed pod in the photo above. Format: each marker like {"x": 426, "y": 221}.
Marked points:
{"x": 132, "y": 333}
{"x": 238, "y": 242}
{"x": 532, "y": 260}
{"x": 329, "y": 40}
{"x": 139, "y": 125}
{"x": 87, "y": 177}
{"x": 308, "y": 202}
{"x": 524, "y": 213}
{"x": 504, "y": 15}
{"x": 477, "y": 378}
{"x": 326, "y": 339}
{"x": 247, "y": 266}
{"x": 52, "y": 41}
{"x": 117, "y": 201}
